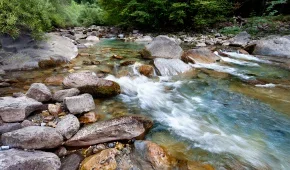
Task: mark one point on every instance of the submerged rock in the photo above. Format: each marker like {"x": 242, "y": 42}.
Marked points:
{"x": 15, "y": 159}
{"x": 17, "y": 109}
{"x": 169, "y": 67}
{"x": 200, "y": 55}
{"x": 88, "y": 82}
{"x": 90, "y": 117}
{"x": 33, "y": 137}
{"x": 146, "y": 70}
{"x": 79, "y": 104}
{"x": 162, "y": 47}
{"x": 122, "y": 128}
{"x": 61, "y": 94}
{"x": 68, "y": 126}
{"x": 39, "y": 92}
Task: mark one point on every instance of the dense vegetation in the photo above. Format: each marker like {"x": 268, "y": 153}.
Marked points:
{"x": 43, "y": 15}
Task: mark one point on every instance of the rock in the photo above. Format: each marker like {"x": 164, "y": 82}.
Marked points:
{"x": 202, "y": 44}
{"x": 61, "y": 151}
{"x": 106, "y": 159}
{"x": 90, "y": 117}
{"x": 48, "y": 118}
{"x": 150, "y": 152}
{"x": 122, "y": 128}
{"x": 2, "y": 72}
{"x": 8, "y": 127}
{"x": 54, "y": 80}
{"x": 198, "y": 166}
{"x": 18, "y": 94}
{"x": 27, "y": 123}
{"x": 92, "y": 38}
{"x": 162, "y": 47}
{"x": 61, "y": 94}
{"x": 127, "y": 63}
{"x": 200, "y": 55}
{"x": 241, "y": 40}
{"x": 5, "y": 84}
{"x": 146, "y": 70}
{"x": 51, "y": 62}
{"x": 15, "y": 159}
{"x": 117, "y": 57}
{"x": 71, "y": 162}
{"x": 144, "y": 39}
{"x": 39, "y": 92}
{"x": 33, "y": 137}
{"x": 68, "y": 126}
{"x": 79, "y": 104}
{"x": 17, "y": 109}
{"x": 169, "y": 67}
{"x": 54, "y": 109}
{"x": 273, "y": 46}
{"x": 88, "y": 82}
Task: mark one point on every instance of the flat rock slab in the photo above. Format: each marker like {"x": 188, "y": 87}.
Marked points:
{"x": 79, "y": 104}
{"x": 17, "y": 109}
{"x": 15, "y": 159}
{"x": 33, "y": 137}
{"x": 61, "y": 94}
{"x": 170, "y": 67}
{"x": 122, "y": 128}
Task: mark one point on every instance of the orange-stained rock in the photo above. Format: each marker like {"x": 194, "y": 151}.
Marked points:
{"x": 198, "y": 166}
{"x": 146, "y": 70}
{"x": 90, "y": 117}
{"x": 200, "y": 55}
{"x": 54, "y": 80}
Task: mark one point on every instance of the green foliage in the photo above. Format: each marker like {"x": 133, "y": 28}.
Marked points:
{"x": 270, "y": 9}
{"x": 91, "y": 15}
{"x": 231, "y": 30}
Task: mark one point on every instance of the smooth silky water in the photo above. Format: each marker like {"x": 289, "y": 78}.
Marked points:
{"x": 228, "y": 122}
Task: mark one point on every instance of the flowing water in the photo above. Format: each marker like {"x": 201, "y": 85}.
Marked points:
{"x": 240, "y": 120}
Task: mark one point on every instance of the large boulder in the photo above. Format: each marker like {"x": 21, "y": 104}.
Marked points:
{"x": 39, "y": 92}
{"x": 61, "y": 94}
{"x": 273, "y": 46}
{"x": 79, "y": 104}
{"x": 89, "y": 82}
{"x": 17, "y": 109}
{"x": 162, "y": 47}
{"x": 200, "y": 55}
{"x": 25, "y": 52}
{"x": 68, "y": 126}
{"x": 33, "y": 137}
{"x": 122, "y": 128}
{"x": 170, "y": 67}
{"x": 241, "y": 40}
{"x": 15, "y": 159}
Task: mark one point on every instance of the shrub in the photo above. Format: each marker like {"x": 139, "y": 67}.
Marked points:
{"x": 91, "y": 14}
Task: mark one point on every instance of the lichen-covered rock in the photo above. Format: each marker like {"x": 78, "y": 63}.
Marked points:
{"x": 17, "y": 109}
{"x": 33, "y": 137}
{"x": 79, "y": 104}
{"x": 39, "y": 92}
{"x": 122, "y": 128}
{"x": 15, "y": 159}
{"x": 88, "y": 82}
{"x": 68, "y": 126}
{"x": 61, "y": 94}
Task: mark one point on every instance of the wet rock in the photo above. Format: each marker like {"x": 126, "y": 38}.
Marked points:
{"x": 198, "y": 166}
{"x": 241, "y": 40}
{"x": 88, "y": 82}
{"x": 169, "y": 67}
{"x": 42, "y": 137}
{"x": 162, "y": 47}
{"x": 92, "y": 38}
{"x": 54, "y": 109}
{"x": 122, "y": 128}
{"x": 39, "y": 92}
{"x": 90, "y": 117}
{"x": 126, "y": 63}
{"x": 106, "y": 159}
{"x": 54, "y": 80}
{"x": 52, "y": 62}
{"x": 71, "y": 162}
{"x": 150, "y": 152}
{"x": 146, "y": 70}
{"x": 200, "y": 55}
{"x": 79, "y": 104}
{"x": 17, "y": 109}
{"x": 27, "y": 123}
{"x": 117, "y": 57}
{"x": 15, "y": 159}
{"x": 273, "y": 46}
{"x": 8, "y": 127}
{"x": 61, "y": 94}
{"x": 68, "y": 126}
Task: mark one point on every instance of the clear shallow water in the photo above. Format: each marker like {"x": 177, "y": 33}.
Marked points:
{"x": 227, "y": 122}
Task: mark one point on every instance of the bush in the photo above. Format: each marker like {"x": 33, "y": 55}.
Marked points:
{"x": 91, "y": 14}
{"x": 231, "y": 30}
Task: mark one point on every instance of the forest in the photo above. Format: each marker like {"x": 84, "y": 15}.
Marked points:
{"x": 39, "y": 16}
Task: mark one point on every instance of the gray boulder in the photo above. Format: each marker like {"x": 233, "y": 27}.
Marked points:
{"x": 8, "y": 127}
{"x": 273, "y": 46}
{"x": 88, "y": 82}
{"x": 162, "y": 47}
{"x": 241, "y": 40}
{"x": 170, "y": 67}
{"x": 122, "y": 128}
{"x": 61, "y": 94}
{"x": 79, "y": 104}
{"x": 15, "y": 159}
{"x": 39, "y": 92}
{"x": 68, "y": 126}
{"x": 17, "y": 109}
{"x": 33, "y": 137}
